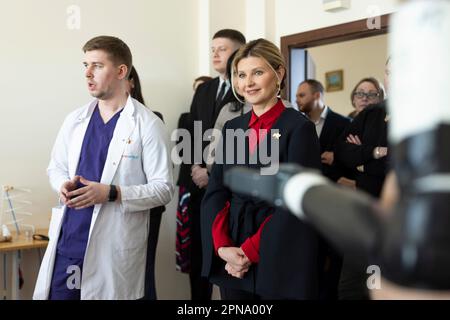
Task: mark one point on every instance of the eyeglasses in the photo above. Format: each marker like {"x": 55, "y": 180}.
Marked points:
{"x": 370, "y": 95}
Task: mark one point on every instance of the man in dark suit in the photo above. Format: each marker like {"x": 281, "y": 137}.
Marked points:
{"x": 329, "y": 126}
{"x": 208, "y": 100}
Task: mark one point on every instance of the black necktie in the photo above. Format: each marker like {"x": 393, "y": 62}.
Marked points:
{"x": 221, "y": 93}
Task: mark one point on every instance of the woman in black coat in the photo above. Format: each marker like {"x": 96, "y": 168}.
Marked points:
{"x": 233, "y": 225}
{"x": 363, "y": 147}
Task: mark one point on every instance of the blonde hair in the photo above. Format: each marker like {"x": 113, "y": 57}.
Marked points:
{"x": 266, "y": 50}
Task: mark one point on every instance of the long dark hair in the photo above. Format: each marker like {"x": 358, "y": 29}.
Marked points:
{"x": 235, "y": 105}
{"x": 136, "y": 92}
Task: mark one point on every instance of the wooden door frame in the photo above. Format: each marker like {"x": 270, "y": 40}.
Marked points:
{"x": 333, "y": 34}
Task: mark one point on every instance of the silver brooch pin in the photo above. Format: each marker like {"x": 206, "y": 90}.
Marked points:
{"x": 276, "y": 136}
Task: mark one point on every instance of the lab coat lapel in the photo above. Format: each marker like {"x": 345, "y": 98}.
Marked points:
{"x": 325, "y": 135}
{"x": 124, "y": 128}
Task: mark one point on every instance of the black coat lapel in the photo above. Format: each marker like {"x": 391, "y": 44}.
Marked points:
{"x": 325, "y": 134}
{"x": 226, "y": 99}
{"x": 211, "y": 103}
{"x": 245, "y": 120}
{"x": 278, "y": 131}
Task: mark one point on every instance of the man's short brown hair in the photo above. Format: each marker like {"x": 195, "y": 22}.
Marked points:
{"x": 231, "y": 34}
{"x": 118, "y": 51}
{"x": 314, "y": 85}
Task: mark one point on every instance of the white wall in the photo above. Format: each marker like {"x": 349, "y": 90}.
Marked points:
{"x": 229, "y": 14}
{"x": 357, "y": 58}
{"x": 273, "y": 19}
{"x": 294, "y": 16}
{"x": 43, "y": 81}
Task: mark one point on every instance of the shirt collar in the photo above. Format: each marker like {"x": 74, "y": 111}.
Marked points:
{"x": 269, "y": 116}
{"x": 227, "y": 83}
{"x": 324, "y": 113}
{"x": 323, "y": 116}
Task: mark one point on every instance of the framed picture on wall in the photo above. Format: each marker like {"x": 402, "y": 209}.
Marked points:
{"x": 334, "y": 80}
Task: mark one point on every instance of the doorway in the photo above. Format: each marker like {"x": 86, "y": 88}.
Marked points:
{"x": 300, "y": 51}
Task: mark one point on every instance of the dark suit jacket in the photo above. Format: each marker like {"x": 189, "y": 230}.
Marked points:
{"x": 330, "y": 261}
{"x": 298, "y": 143}
{"x": 204, "y": 109}
{"x": 203, "y": 106}
{"x": 371, "y": 127}
{"x": 334, "y": 126}
{"x": 184, "y": 176}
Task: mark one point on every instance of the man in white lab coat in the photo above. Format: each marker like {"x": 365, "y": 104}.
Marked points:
{"x": 111, "y": 165}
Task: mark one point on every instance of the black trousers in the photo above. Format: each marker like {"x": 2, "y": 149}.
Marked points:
{"x": 330, "y": 264}
{"x": 353, "y": 283}
{"x": 201, "y": 288}
{"x": 152, "y": 242}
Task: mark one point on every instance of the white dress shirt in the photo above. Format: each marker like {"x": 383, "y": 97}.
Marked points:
{"x": 319, "y": 123}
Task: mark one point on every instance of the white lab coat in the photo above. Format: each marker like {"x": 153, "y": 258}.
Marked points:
{"x": 139, "y": 162}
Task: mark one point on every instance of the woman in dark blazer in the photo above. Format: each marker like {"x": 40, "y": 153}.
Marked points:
{"x": 233, "y": 224}
{"x": 363, "y": 145}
